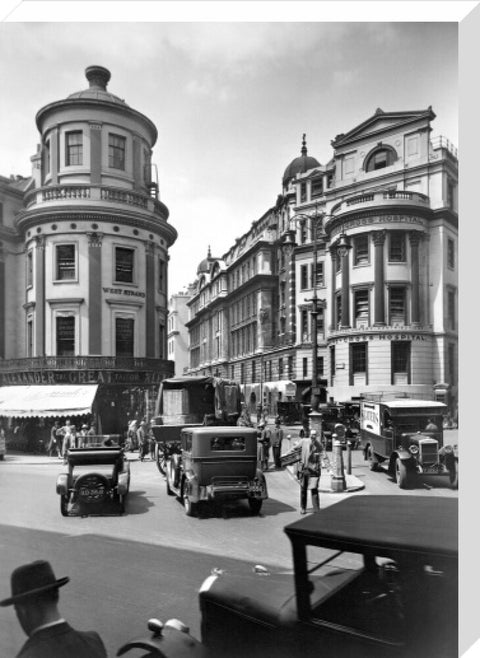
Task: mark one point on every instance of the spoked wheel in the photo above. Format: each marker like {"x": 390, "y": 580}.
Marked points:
{"x": 401, "y": 474}
{"x": 160, "y": 459}
{"x": 64, "y": 505}
{"x": 255, "y": 505}
{"x": 372, "y": 462}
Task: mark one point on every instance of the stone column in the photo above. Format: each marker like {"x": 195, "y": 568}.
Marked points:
{"x": 292, "y": 294}
{"x": 95, "y": 153}
{"x": 95, "y": 293}
{"x": 379, "y": 276}
{"x": 40, "y": 296}
{"x": 150, "y": 300}
{"x": 415, "y": 238}
{"x": 345, "y": 322}
{"x": 333, "y": 305}
{"x": 54, "y": 156}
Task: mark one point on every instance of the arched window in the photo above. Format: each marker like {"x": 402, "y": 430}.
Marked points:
{"x": 380, "y": 158}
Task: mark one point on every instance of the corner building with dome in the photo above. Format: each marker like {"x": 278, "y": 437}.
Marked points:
{"x": 380, "y": 219}
{"x": 84, "y": 260}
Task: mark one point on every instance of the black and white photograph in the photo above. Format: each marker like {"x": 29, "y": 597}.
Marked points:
{"x": 230, "y": 309}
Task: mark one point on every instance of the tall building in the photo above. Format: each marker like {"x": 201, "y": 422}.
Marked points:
{"x": 177, "y": 336}
{"x": 373, "y": 235}
{"x": 84, "y": 276}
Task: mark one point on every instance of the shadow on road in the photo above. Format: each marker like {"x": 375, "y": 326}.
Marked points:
{"x": 240, "y": 509}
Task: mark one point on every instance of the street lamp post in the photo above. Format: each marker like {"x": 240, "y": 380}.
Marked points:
{"x": 316, "y": 303}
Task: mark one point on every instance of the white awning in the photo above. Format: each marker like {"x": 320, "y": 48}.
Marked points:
{"x": 284, "y": 386}
{"x": 44, "y": 401}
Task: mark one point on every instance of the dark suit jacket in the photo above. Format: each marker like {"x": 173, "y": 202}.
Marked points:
{"x": 63, "y": 641}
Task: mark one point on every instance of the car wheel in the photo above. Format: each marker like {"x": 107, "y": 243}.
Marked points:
{"x": 190, "y": 508}
{"x": 160, "y": 459}
{"x": 121, "y": 503}
{"x": 168, "y": 487}
{"x": 453, "y": 476}
{"x": 255, "y": 505}
{"x": 64, "y": 505}
{"x": 372, "y": 462}
{"x": 401, "y": 474}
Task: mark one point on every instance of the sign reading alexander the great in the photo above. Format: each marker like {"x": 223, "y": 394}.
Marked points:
{"x": 82, "y": 377}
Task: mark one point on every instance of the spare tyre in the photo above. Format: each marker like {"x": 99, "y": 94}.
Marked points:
{"x": 92, "y": 488}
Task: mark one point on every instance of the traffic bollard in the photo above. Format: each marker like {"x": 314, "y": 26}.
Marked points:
{"x": 338, "y": 475}
{"x": 349, "y": 457}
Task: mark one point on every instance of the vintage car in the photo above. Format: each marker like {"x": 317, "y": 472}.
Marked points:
{"x": 96, "y": 476}
{"x": 216, "y": 464}
{"x": 407, "y": 435}
{"x": 374, "y": 576}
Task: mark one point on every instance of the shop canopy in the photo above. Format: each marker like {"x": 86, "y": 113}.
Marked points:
{"x": 45, "y": 401}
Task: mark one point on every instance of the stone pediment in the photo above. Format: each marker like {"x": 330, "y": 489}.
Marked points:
{"x": 380, "y": 122}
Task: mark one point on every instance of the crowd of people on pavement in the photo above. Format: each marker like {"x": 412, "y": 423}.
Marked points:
{"x": 65, "y": 437}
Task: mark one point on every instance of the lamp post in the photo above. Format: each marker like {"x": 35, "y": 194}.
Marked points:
{"x": 314, "y": 220}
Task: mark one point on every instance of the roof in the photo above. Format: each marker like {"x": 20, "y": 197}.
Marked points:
{"x": 387, "y": 525}
{"x": 46, "y": 401}
{"x": 407, "y": 403}
{"x": 301, "y": 164}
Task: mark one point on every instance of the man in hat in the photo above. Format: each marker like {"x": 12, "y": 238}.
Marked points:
{"x": 309, "y": 470}
{"x": 35, "y": 597}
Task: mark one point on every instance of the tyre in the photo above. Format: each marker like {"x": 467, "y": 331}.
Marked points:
{"x": 255, "y": 505}
{"x": 64, "y": 505}
{"x": 190, "y": 508}
{"x": 160, "y": 459}
{"x": 92, "y": 488}
{"x": 401, "y": 474}
{"x": 372, "y": 462}
{"x": 121, "y": 503}
{"x": 167, "y": 486}
{"x": 453, "y": 476}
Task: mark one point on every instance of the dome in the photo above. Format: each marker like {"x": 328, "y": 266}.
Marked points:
{"x": 204, "y": 266}
{"x": 98, "y": 77}
{"x": 301, "y": 164}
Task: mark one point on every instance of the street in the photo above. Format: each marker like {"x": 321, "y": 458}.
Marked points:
{"x": 151, "y": 561}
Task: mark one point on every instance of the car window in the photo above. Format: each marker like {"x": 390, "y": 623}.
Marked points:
{"x": 232, "y": 443}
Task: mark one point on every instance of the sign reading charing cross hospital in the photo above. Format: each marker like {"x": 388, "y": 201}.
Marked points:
{"x": 358, "y": 222}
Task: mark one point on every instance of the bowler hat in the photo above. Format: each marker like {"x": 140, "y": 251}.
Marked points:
{"x": 32, "y": 579}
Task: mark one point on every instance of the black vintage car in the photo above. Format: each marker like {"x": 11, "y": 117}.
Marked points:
{"x": 374, "y": 576}
{"x": 96, "y": 476}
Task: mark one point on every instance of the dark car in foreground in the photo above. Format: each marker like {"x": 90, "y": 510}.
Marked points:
{"x": 373, "y": 577}
{"x": 96, "y": 477}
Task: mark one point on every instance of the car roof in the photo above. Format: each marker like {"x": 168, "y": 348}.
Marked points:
{"x": 411, "y": 404}
{"x": 215, "y": 430}
{"x": 409, "y": 525}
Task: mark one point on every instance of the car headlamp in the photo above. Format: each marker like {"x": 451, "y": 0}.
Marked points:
{"x": 413, "y": 449}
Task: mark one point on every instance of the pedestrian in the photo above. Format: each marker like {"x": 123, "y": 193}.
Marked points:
{"x": 53, "y": 446}
{"x": 35, "y": 597}
{"x": 244, "y": 419}
{"x": 151, "y": 444}
{"x": 263, "y": 445}
{"x": 277, "y": 437}
{"x": 431, "y": 427}
{"x": 132, "y": 435}
{"x": 259, "y": 414}
{"x": 309, "y": 470}
{"x": 142, "y": 441}
{"x": 82, "y": 440}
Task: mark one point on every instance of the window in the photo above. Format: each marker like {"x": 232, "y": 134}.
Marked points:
{"x": 451, "y": 194}
{"x": 303, "y": 192}
{"x": 254, "y": 371}
{"x": 283, "y": 322}
{"x": 161, "y": 341}
{"x": 74, "y": 148}
{"x": 358, "y": 360}
{"x": 242, "y": 373}
{"x": 361, "y": 307}
{"x": 290, "y": 367}
{"x": 338, "y": 300}
{"x": 280, "y": 368}
{"x": 320, "y": 321}
{"x": 46, "y": 157}
{"x": 317, "y": 187}
{"x": 304, "y": 283}
{"x": 320, "y": 282}
{"x": 397, "y": 305}
{"x": 161, "y": 275}
{"x": 452, "y": 371}
{"x": 65, "y": 328}
{"x": 282, "y": 293}
{"x": 29, "y": 337}
{"x": 303, "y": 233}
{"x": 124, "y": 264}
{"x": 451, "y": 254}
{"x": 116, "y": 151}
{"x": 305, "y": 367}
{"x": 360, "y": 250}
{"x": 305, "y": 334}
{"x": 320, "y": 365}
{"x": 29, "y": 268}
{"x": 451, "y": 309}
{"x": 65, "y": 262}
{"x": 124, "y": 336}
{"x": 400, "y": 361}
{"x": 380, "y": 159}
{"x": 397, "y": 251}
{"x": 332, "y": 364}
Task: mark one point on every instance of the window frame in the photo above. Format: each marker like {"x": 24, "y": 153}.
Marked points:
{"x": 391, "y": 315}
{"x": 56, "y": 265}
{"x": 355, "y": 348}
{"x": 451, "y": 253}
{"x": 400, "y": 235}
{"x": 73, "y": 318}
{"x": 73, "y": 151}
{"x": 114, "y": 150}
{"x": 359, "y": 258}
{"x": 133, "y": 250}
{"x": 361, "y": 318}
{"x": 397, "y": 344}
{"x": 371, "y": 159}
{"x": 121, "y": 317}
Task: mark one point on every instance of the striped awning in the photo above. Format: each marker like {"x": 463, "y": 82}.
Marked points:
{"x": 46, "y": 401}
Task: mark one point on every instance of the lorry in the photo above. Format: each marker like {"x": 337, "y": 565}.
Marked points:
{"x": 185, "y": 402}
{"x": 407, "y": 435}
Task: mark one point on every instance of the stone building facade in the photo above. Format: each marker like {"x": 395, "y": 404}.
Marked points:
{"x": 387, "y": 319}
{"x": 85, "y": 276}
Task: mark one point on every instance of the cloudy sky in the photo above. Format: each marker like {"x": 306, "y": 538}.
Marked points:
{"x": 230, "y": 100}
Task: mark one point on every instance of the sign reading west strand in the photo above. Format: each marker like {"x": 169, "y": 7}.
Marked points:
{"x": 124, "y": 291}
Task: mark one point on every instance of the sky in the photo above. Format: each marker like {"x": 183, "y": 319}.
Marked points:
{"x": 230, "y": 101}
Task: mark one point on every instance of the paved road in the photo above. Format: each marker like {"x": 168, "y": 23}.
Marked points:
{"x": 151, "y": 561}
